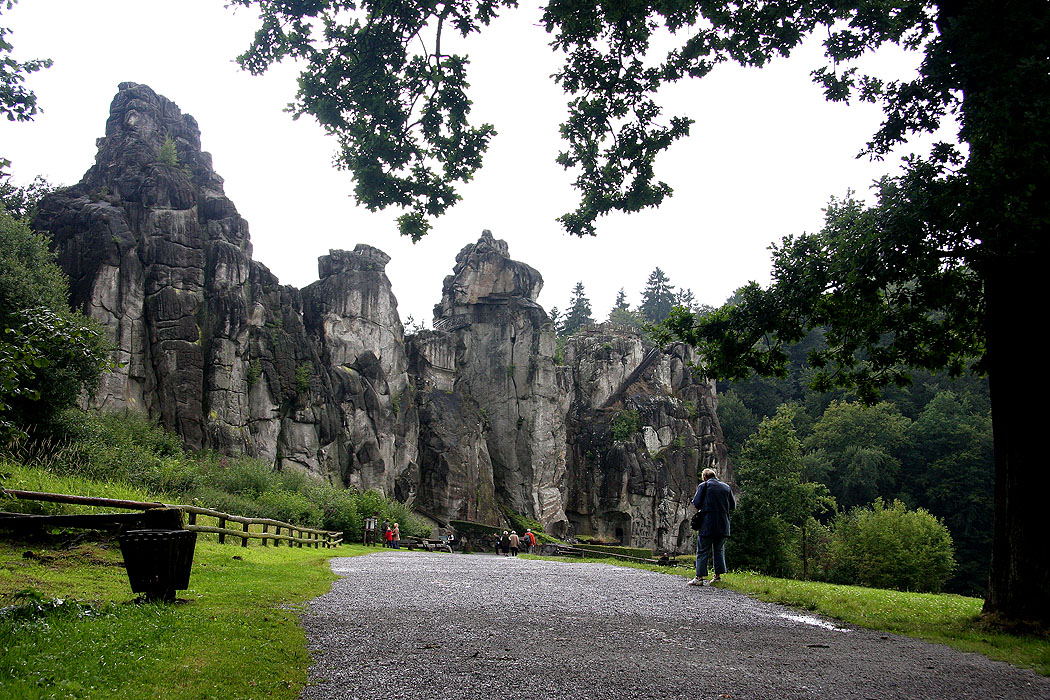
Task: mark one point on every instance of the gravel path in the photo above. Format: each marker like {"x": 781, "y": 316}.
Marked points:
{"x": 432, "y": 626}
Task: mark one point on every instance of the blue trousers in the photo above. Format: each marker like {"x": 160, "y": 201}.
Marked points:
{"x": 706, "y": 548}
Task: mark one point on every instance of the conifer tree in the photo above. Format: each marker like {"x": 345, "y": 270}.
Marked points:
{"x": 658, "y": 298}
{"x": 579, "y": 314}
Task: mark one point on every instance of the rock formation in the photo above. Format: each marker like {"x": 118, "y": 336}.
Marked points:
{"x": 472, "y": 419}
{"x": 501, "y": 346}
{"x": 641, "y": 429}
{"x": 208, "y": 341}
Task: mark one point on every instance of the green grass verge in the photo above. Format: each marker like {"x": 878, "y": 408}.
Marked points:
{"x": 234, "y": 634}
{"x": 952, "y": 620}
{"x": 19, "y": 477}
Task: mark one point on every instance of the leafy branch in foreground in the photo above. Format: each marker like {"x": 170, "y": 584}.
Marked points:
{"x": 377, "y": 79}
{"x": 884, "y": 309}
{"x": 17, "y": 102}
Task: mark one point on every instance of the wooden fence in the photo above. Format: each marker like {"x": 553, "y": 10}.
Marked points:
{"x": 293, "y": 535}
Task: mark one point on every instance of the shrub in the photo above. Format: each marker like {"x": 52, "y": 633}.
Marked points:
{"x": 253, "y": 372}
{"x": 625, "y": 424}
{"x": 303, "y": 374}
{"x": 48, "y": 354}
{"x": 291, "y": 507}
{"x": 243, "y": 476}
{"x": 340, "y": 509}
{"x": 411, "y": 525}
{"x": 892, "y": 547}
{"x": 115, "y": 447}
{"x": 168, "y": 154}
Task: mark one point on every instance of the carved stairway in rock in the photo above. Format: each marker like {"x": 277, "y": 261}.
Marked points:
{"x": 647, "y": 361}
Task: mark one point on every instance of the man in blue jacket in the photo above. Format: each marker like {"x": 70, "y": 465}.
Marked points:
{"x": 714, "y": 500}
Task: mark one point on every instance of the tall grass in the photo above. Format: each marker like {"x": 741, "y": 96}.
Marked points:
{"x": 111, "y": 454}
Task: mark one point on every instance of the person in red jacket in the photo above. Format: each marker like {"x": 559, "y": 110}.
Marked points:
{"x": 530, "y": 540}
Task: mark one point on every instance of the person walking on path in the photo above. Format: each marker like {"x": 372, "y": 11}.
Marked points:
{"x": 396, "y": 536}
{"x": 530, "y": 540}
{"x": 714, "y": 500}
{"x": 504, "y": 544}
{"x": 386, "y": 532}
{"x": 514, "y": 542}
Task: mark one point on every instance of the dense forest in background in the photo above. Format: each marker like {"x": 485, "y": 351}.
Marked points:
{"x": 928, "y": 445}
{"x": 810, "y": 463}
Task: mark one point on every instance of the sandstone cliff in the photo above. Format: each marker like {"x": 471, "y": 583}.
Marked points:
{"x": 208, "y": 340}
{"x": 471, "y": 419}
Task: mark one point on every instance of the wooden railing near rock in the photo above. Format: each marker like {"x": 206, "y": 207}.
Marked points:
{"x": 293, "y": 534}
{"x": 296, "y": 535}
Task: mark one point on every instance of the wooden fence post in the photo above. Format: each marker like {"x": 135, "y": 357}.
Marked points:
{"x": 244, "y": 540}
{"x": 277, "y": 531}
{"x": 222, "y": 535}
{"x": 265, "y": 529}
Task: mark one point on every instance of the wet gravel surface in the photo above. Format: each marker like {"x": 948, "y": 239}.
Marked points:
{"x": 432, "y": 626}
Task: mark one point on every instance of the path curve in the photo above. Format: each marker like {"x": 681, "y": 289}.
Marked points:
{"x": 432, "y": 626}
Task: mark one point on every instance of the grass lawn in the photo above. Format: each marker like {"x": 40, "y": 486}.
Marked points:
{"x": 234, "y": 634}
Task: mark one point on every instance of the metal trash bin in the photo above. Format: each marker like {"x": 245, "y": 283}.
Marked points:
{"x": 158, "y": 561}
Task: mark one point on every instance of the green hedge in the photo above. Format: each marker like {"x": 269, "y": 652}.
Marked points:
{"x": 610, "y": 549}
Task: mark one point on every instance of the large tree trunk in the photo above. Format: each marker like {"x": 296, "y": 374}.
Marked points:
{"x": 998, "y": 53}
{"x": 1019, "y": 586}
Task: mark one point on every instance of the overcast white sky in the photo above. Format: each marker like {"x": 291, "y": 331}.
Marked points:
{"x": 766, "y": 153}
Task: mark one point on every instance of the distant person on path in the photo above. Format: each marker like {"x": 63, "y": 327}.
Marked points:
{"x": 386, "y": 532}
{"x": 515, "y": 541}
{"x": 396, "y": 536}
{"x": 714, "y": 500}
{"x": 504, "y": 544}
{"x": 530, "y": 540}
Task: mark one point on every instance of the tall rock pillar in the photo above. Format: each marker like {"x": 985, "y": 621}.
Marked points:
{"x": 504, "y": 360}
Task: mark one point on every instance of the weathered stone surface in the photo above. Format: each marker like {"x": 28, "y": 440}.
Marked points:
{"x": 504, "y": 360}
{"x": 209, "y": 342}
{"x": 483, "y": 271}
{"x": 456, "y": 479}
{"x": 638, "y": 490}
{"x": 463, "y": 422}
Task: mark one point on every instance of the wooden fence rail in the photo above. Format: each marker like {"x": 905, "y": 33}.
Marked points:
{"x": 294, "y": 535}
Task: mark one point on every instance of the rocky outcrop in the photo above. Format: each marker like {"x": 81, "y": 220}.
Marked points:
{"x": 208, "y": 341}
{"x": 476, "y": 418}
{"x": 641, "y": 429}
{"x": 501, "y": 344}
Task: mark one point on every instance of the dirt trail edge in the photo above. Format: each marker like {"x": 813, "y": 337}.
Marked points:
{"x": 434, "y": 626}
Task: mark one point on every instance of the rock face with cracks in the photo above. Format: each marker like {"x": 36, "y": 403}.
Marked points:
{"x": 469, "y": 421}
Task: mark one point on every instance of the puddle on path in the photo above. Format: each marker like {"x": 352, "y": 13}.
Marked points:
{"x": 810, "y": 620}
